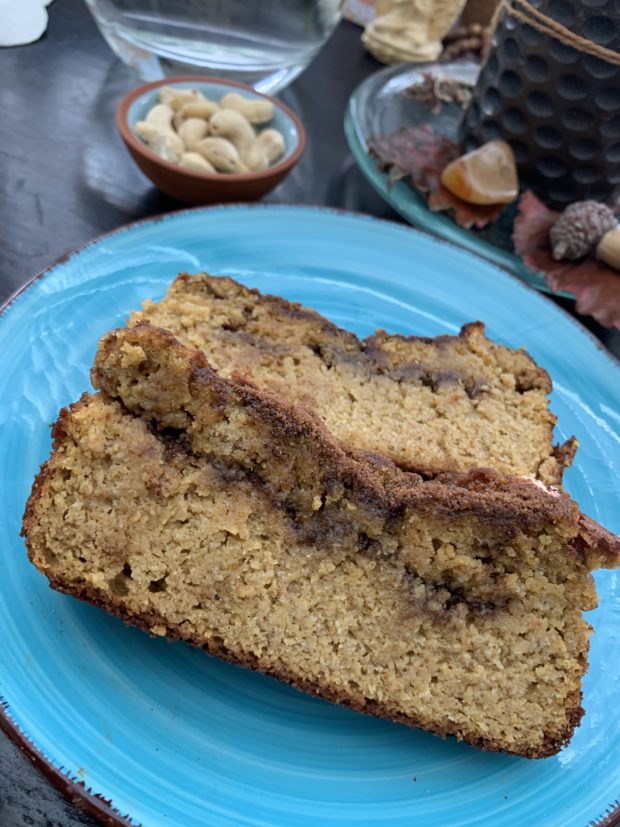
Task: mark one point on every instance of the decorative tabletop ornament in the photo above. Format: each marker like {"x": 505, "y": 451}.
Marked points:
{"x": 551, "y": 88}
{"x": 410, "y": 30}
{"x": 486, "y": 175}
{"x": 579, "y": 229}
{"x": 594, "y": 279}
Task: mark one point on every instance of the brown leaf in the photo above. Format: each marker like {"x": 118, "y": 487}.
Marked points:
{"x": 433, "y": 91}
{"x": 417, "y": 152}
{"x": 597, "y": 291}
{"x": 530, "y": 234}
{"x": 466, "y": 215}
{"x": 595, "y": 285}
{"x": 422, "y": 154}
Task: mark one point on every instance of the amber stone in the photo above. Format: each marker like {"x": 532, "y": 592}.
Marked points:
{"x": 487, "y": 175}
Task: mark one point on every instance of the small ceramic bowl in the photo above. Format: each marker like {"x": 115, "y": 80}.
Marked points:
{"x": 193, "y": 187}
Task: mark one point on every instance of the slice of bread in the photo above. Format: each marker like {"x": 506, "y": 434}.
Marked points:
{"x": 206, "y": 509}
{"x": 430, "y": 405}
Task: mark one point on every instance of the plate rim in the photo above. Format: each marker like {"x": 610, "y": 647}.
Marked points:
{"x": 63, "y": 258}
{"x": 72, "y": 788}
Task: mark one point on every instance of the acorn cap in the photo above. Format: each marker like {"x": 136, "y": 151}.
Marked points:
{"x": 579, "y": 229}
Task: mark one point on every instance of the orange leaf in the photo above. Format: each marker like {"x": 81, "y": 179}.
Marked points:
{"x": 466, "y": 215}
{"x": 421, "y": 154}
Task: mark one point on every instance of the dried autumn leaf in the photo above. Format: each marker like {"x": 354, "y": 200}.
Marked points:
{"x": 466, "y": 215}
{"x": 531, "y": 230}
{"x": 417, "y": 152}
{"x": 433, "y": 92}
{"x": 597, "y": 293}
{"x": 595, "y": 285}
{"x": 421, "y": 154}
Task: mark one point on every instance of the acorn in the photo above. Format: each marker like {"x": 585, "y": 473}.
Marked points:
{"x": 608, "y": 248}
{"x": 580, "y": 228}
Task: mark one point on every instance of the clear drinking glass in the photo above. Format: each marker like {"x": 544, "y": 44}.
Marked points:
{"x": 265, "y": 43}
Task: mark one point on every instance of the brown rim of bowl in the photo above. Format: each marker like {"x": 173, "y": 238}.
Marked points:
{"x": 129, "y": 137}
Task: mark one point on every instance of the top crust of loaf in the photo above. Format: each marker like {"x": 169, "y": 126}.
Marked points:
{"x": 530, "y": 375}
{"x": 464, "y": 400}
{"x": 502, "y": 500}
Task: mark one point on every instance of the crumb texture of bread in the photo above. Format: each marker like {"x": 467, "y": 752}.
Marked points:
{"x": 209, "y": 510}
{"x": 444, "y": 404}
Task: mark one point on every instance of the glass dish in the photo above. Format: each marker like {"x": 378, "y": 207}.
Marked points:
{"x": 378, "y": 107}
{"x": 263, "y": 44}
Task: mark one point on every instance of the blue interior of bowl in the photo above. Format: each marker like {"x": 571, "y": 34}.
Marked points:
{"x": 141, "y": 106}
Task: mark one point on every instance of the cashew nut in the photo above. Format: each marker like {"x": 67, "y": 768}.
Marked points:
{"x": 255, "y": 110}
{"x": 160, "y": 116}
{"x": 164, "y": 142}
{"x": 221, "y": 153}
{"x": 192, "y": 160}
{"x": 192, "y": 131}
{"x": 266, "y": 149}
{"x": 195, "y": 109}
{"x": 187, "y": 128}
{"x": 176, "y": 98}
{"x": 199, "y": 109}
{"x": 228, "y": 123}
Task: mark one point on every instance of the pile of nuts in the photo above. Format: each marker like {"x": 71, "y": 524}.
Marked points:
{"x": 203, "y": 135}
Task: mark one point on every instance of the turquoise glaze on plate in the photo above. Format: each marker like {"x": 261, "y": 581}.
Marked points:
{"x": 176, "y": 738}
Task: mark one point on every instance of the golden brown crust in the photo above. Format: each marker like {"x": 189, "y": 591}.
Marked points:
{"x": 165, "y": 381}
{"x": 499, "y": 499}
{"x": 59, "y": 434}
{"x": 226, "y": 288}
{"x": 531, "y": 376}
{"x": 600, "y": 546}
{"x": 446, "y": 403}
{"x": 565, "y": 453}
{"x": 148, "y": 620}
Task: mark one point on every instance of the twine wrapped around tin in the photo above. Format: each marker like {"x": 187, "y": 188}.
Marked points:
{"x": 550, "y": 87}
{"x": 479, "y": 11}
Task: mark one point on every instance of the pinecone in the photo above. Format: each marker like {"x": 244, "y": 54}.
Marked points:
{"x": 579, "y": 229}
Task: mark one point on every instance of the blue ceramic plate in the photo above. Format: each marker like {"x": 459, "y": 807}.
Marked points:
{"x": 378, "y": 107}
{"x": 175, "y": 738}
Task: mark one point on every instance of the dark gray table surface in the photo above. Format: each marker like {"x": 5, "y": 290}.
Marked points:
{"x": 66, "y": 178}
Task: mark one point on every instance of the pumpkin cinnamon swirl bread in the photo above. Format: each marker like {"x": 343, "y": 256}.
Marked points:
{"x": 445, "y": 404}
{"x": 204, "y": 508}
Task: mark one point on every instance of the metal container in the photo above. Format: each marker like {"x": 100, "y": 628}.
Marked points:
{"x": 558, "y": 107}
